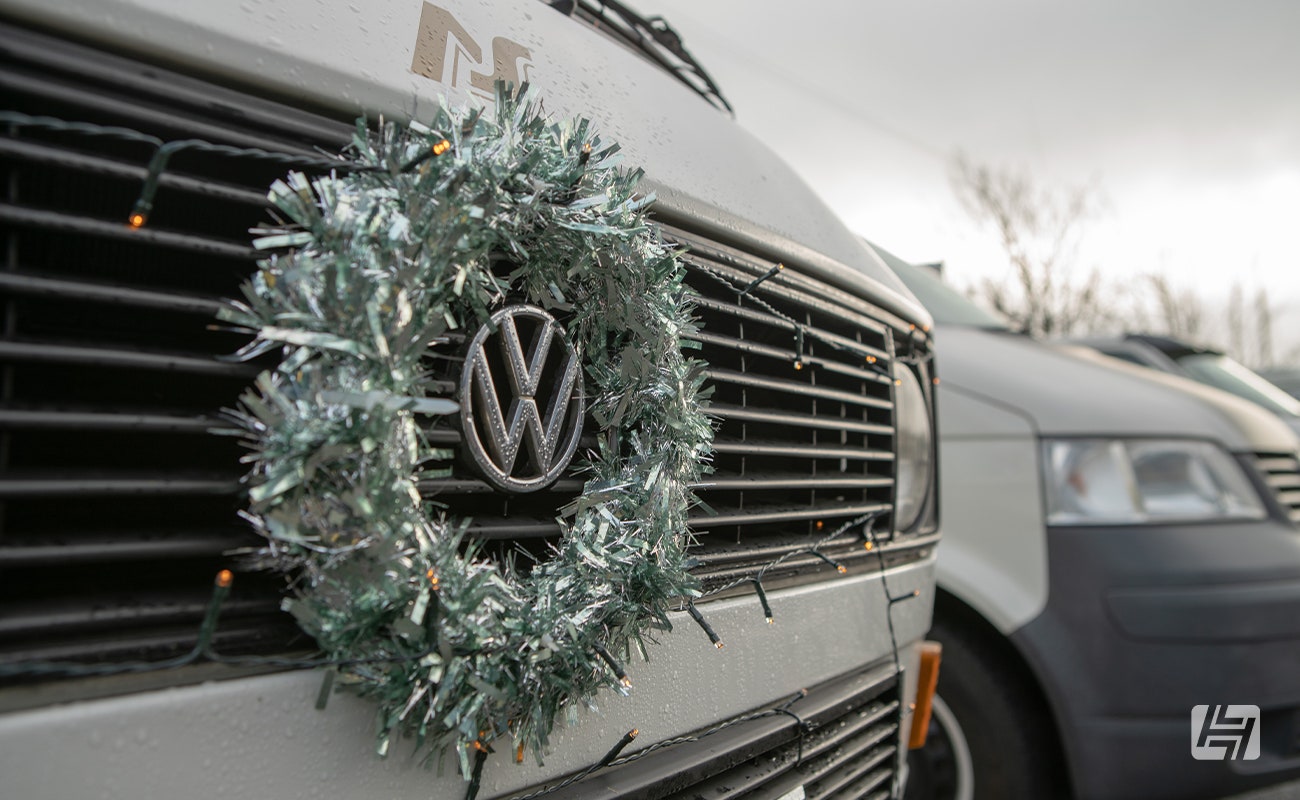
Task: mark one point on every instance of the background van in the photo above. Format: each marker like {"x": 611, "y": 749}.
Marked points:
{"x": 1120, "y": 547}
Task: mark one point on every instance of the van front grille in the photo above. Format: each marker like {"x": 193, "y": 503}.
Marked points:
{"x": 117, "y": 505}
{"x": 845, "y": 749}
{"x": 1281, "y": 472}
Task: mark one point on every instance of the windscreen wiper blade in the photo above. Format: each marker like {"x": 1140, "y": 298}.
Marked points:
{"x": 653, "y": 36}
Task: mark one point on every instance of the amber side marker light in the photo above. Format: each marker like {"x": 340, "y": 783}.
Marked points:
{"x": 926, "y": 680}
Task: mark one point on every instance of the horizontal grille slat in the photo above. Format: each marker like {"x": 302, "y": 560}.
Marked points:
{"x": 863, "y": 731}
{"x": 757, "y": 482}
{"x": 115, "y": 369}
{"x": 234, "y": 636}
{"x": 37, "y": 286}
{"x": 739, "y": 271}
{"x": 73, "y": 160}
{"x": 795, "y": 451}
{"x": 141, "y": 114}
{"x": 1283, "y": 482}
{"x": 81, "y": 548}
{"x": 789, "y": 356}
{"x": 94, "y": 420}
{"x": 128, "y": 359}
{"x": 105, "y": 611}
{"x": 791, "y": 387}
{"x": 831, "y": 513}
{"x": 776, "y": 322}
{"x": 837, "y": 772}
{"x": 436, "y": 487}
{"x": 1281, "y": 471}
{"x": 57, "y": 222}
{"x": 1289, "y": 498}
{"x": 853, "y": 726}
{"x": 17, "y": 488}
{"x": 740, "y": 553}
{"x": 767, "y": 514}
{"x": 861, "y": 783}
{"x": 798, "y": 420}
{"x": 791, "y": 566}
{"x": 1277, "y": 465}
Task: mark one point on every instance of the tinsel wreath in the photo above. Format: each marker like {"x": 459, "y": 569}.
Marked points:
{"x": 384, "y": 259}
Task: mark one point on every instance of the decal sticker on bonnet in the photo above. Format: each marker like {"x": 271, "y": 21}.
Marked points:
{"x": 447, "y": 53}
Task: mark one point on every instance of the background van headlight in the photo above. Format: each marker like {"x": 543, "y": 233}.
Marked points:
{"x": 1115, "y": 481}
{"x": 915, "y": 467}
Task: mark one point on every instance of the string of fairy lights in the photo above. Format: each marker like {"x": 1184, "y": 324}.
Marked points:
{"x": 803, "y": 331}
{"x": 204, "y": 649}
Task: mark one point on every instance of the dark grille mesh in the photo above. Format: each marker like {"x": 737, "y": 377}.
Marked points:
{"x": 117, "y": 505}
{"x": 1282, "y": 473}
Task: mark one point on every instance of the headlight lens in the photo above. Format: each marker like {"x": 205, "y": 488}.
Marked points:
{"x": 915, "y": 449}
{"x": 1110, "y": 482}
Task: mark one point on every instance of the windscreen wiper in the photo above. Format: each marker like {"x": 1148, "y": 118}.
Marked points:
{"x": 652, "y": 36}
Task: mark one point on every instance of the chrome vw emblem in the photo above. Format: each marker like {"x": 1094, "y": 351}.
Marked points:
{"x": 518, "y": 364}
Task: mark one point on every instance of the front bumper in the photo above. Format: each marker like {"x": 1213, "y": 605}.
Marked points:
{"x": 1142, "y": 624}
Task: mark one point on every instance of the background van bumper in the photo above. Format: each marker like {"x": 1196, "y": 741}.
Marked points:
{"x": 1143, "y": 623}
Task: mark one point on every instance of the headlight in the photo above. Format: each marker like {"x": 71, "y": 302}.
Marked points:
{"x": 915, "y": 465}
{"x": 1110, "y": 482}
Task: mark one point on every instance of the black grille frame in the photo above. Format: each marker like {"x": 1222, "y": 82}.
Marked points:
{"x": 840, "y": 742}
{"x": 117, "y": 504}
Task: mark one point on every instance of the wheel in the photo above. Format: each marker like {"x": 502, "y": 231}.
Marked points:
{"x": 941, "y": 770}
{"x": 989, "y": 737}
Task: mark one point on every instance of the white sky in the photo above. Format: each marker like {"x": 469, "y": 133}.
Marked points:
{"x": 1185, "y": 113}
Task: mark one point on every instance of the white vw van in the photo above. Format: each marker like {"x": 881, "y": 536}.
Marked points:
{"x": 117, "y": 506}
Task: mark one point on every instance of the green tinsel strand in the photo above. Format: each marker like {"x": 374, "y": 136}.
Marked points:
{"x": 380, "y": 262}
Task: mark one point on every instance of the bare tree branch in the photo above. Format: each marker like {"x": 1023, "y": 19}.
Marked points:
{"x": 1039, "y": 231}
{"x": 1181, "y": 313}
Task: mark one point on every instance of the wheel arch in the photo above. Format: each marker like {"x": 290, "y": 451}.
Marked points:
{"x": 961, "y": 619}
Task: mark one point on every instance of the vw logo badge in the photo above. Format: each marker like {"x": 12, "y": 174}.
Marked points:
{"x": 521, "y": 390}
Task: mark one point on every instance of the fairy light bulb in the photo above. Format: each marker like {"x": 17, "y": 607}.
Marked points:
{"x": 618, "y": 747}
{"x": 840, "y": 568}
{"x": 762, "y": 599}
{"x": 705, "y": 626}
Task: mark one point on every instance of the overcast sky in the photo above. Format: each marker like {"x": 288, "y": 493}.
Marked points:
{"x": 1185, "y": 114}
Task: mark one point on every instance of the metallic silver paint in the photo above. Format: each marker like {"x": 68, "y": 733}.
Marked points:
{"x": 262, "y": 738}
{"x": 704, "y": 168}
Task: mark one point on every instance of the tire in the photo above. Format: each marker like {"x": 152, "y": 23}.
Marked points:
{"x": 989, "y": 737}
